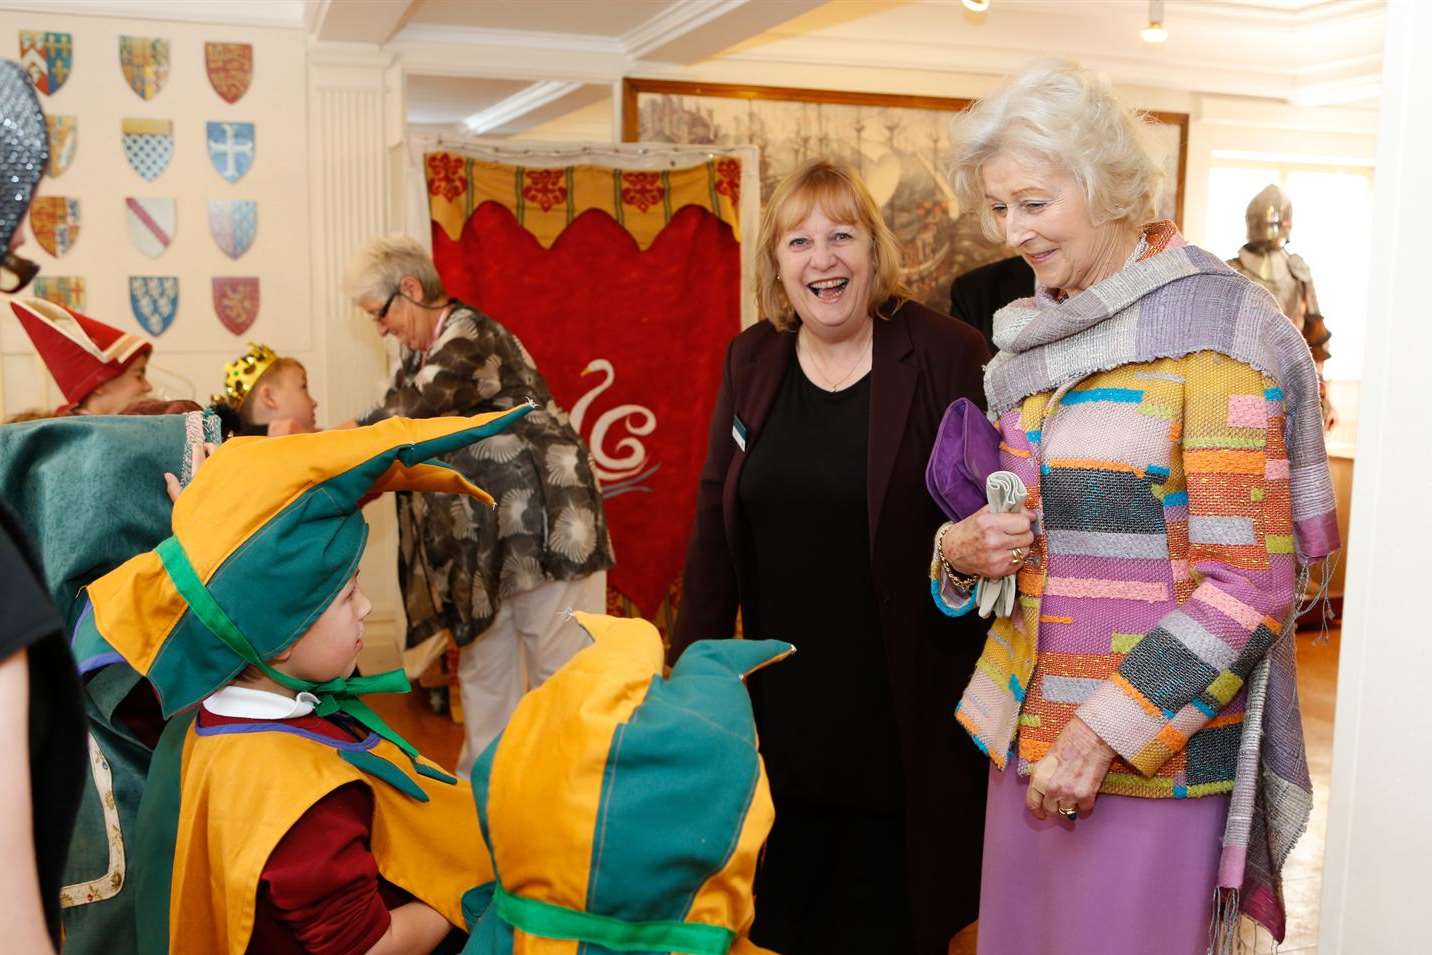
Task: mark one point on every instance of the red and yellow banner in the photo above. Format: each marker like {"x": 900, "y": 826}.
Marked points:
{"x": 546, "y": 200}
{"x": 625, "y": 285}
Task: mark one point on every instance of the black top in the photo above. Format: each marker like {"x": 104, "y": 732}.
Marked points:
{"x": 825, "y": 716}
{"x": 976, "y": 295}
{"x": 57, "y": 720}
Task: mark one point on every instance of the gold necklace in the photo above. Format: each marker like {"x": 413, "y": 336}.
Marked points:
{"x": 821, "y": 367}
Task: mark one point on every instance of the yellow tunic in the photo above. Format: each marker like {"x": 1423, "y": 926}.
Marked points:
{"x": 242, "y": 791}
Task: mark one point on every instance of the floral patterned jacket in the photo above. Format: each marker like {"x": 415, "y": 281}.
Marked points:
{"x": 457, "y": 559}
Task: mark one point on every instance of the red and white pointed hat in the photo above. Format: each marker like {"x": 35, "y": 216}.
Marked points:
{"x": 81, "y": 353}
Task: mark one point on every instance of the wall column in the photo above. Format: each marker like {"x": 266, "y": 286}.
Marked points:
{"x": 349, "y": 200}
{"x": 1379, "y": 835}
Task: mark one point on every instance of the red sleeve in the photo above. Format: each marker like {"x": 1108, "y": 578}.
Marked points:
{"x": 320, "y": 886}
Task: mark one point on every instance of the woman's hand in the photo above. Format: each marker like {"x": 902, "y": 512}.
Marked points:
{"x": 984, "y": 544}
{"x": 1069, "y": 777}
{"x": 198, "y": 454}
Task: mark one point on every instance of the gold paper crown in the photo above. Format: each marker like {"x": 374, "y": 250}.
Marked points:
{"x": 241, "y": 375}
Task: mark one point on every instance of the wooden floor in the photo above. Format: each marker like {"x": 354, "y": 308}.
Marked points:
{"x": 440, "y": 739}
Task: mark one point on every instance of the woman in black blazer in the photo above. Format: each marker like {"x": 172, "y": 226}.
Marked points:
{"x": 813, "y": 521}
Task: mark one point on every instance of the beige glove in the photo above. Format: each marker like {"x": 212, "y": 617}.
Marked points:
{"x": 1005, "y": 493}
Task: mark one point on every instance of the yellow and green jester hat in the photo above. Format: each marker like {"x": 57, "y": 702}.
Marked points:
{"x": 625, "y": 811}
{"x": 264, "y": 538}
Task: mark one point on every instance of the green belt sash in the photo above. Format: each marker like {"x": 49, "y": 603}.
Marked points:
{"x": 554, "y": 921}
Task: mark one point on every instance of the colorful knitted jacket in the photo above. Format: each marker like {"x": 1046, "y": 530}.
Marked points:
{"x": 1167, "y": 525}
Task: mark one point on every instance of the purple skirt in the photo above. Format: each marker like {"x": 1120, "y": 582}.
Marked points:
{"x": 1136, "y": 876}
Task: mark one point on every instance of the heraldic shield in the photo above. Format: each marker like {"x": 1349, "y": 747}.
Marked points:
{"x": 66, "y": 290}
{"x": 151, "y": 223}
{"x": 233, "y": 223}
{"x": 154, "y": 299}
{"x": 64, "y": 138}
{"x": 55, "y": 220}
{"x": 231, "y": 148}
{"x": 236, "y": 301}
{"x": 231, "y": 69}
{"x": 148, "y": 145}
{"x": 145, "y": 62}
{"x": 46, "y": 58}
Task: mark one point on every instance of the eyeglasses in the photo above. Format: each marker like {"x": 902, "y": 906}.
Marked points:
{"x": 382, "y": 313}
{"x": 16, "y": 272}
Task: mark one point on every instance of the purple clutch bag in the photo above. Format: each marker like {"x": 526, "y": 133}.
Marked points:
{"x": 966, "y": 452}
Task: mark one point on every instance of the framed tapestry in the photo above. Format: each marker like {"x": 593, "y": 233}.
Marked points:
{"x": 899, "y": 144}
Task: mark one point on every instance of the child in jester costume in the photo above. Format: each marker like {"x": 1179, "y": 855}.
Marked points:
{"x": 281, "y": 813}
{"x": 625, "y": 811}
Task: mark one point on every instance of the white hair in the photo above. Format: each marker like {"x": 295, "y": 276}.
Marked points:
{"x": 1059, "y": 113}
{"x": 381, "y": 263}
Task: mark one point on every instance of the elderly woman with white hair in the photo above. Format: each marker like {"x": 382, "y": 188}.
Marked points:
{"x": 1164, "y": 418}
{"x": 500, "y": 582}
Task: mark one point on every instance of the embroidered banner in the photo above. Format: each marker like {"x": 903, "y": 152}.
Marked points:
{"x": 626, "y": 300}
{"x": 546, "y": 201}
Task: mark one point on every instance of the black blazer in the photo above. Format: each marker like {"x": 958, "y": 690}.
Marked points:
{"x": 976, "y": 295}
{"x": 921, "y": 362}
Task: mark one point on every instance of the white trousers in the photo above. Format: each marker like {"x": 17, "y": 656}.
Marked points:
{"x": 530, "y": 638}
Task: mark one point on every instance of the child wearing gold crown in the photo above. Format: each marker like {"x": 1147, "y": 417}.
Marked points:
{"x": 281, "y": 814}
{"x": 265, "y": 394}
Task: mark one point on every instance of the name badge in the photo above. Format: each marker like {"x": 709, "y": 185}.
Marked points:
{"x": 738, "y": 432}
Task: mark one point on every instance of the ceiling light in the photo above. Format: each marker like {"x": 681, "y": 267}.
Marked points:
{"x": 976, "y": 6}
{"x": 1154, "y": 32}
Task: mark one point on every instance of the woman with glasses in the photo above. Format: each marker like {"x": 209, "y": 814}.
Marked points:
{"x": 498, "y": 580}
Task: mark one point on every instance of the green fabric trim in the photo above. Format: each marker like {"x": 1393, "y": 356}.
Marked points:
{"x": 157, "y": 836}
{"x": 382, "y": 769}
{"x": 335, "y": 696}
{"x": 546, "y": 920}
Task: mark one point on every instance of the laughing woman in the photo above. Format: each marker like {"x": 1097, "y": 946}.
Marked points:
{"x": 1139, "y": 707}
{"x": 812, "y": 516}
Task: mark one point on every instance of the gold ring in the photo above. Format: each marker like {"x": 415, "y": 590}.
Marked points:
{"x": 1069, "y": 813}
{"x": 1016, "y": 556}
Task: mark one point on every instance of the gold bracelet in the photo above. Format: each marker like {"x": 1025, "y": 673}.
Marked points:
{"x": 960, "y": 581}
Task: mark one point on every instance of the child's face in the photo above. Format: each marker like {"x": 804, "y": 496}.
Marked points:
{"x": 121, "y": 391}
{"x": 329, "y": 649}
{"x": 288, "y": 399}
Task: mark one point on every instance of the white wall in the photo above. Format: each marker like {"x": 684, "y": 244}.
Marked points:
{"x": 189, "y": 356}
{"x": 1379, "y": 836}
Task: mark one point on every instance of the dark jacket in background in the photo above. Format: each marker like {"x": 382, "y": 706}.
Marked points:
{"x": 979, "y": 293}
{"x": 921, "y": 362}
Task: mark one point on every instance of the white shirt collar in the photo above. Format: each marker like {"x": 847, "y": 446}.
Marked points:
{"x": 247, "y": 703}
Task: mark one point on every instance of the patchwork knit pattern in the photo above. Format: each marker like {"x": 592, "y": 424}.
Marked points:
{"x": 1165, "y": 563}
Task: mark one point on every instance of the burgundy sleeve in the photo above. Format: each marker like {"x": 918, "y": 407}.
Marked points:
{"x": 709, "y": 593}
{"x": 320, "y": 886}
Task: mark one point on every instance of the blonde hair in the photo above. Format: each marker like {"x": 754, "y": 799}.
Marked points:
{"x": 381, "y": 263}
{"x": 246, "y": 409}
{"x": 843, "y": 197}
{"x": 1057, "y": 112}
